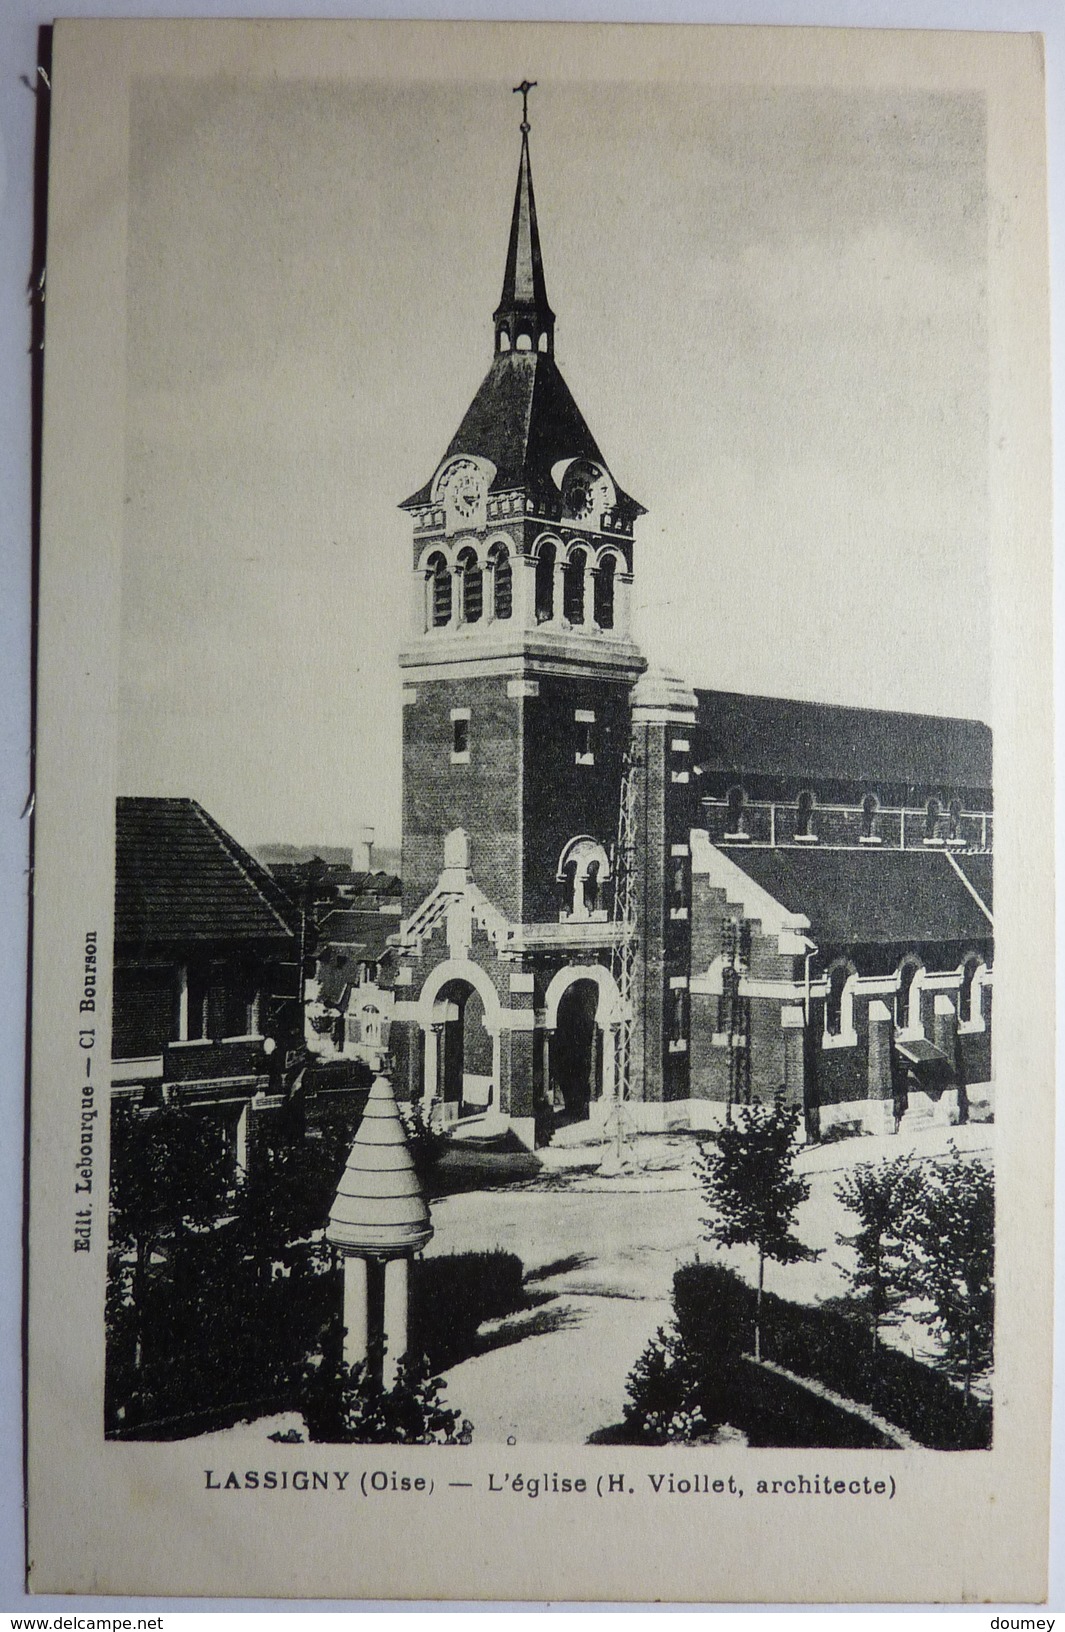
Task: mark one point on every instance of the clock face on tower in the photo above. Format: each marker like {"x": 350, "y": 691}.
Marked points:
{"x": 586, "y": 490}
{"x": 463, "y": 488}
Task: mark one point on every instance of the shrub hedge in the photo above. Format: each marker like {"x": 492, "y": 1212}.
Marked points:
{"x": 451, "y": 1296}
{"x": 715, "y": 1317}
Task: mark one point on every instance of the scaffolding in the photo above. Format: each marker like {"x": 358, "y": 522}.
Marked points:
{"x": 735, "y": 1016}
{"x": 620, "y": 1155}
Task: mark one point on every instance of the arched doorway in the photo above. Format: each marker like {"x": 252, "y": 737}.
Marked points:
{"x": 576, "y": 1053}
{"x": 466, "y": 1053}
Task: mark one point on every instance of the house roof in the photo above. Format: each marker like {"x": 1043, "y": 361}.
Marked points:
{"x": 365, "y": 934}
{"x": 180, "y": 877}
{"x": 376, "y": 883}
{"x": 524, "y": 420}
{"x": 869, "y": 897}
{"x": 779, "y": 736}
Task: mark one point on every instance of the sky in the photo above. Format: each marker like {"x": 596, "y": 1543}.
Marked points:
{"x": 771, "y": 310}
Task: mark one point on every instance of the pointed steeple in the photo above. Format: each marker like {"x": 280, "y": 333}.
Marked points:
{"x": 523, "y": 319}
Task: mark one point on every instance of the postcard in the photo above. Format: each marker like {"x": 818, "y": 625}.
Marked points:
{"x": 544, "y": 653}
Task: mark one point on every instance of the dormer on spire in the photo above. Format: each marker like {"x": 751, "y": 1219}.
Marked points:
{"x": 523, "y": 319}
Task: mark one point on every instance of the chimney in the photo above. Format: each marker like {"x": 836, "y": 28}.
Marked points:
{"x": 362, "y": 856}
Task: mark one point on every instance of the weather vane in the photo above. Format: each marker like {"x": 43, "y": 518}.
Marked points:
{"x": 525, "y": 87}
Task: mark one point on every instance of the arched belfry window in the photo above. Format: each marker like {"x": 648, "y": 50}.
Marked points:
{"x": 573, "y": 588}
{"x": 545, "y": 583}
{"x": 955, "y": 831}
{"x": 932, "y": 813}
{"x": 908, "y": 996}
{"x": 590, "y": 888}
{"x": 967, "y": 991}
{"x": 583, "y": 868}
{"x": 472, "y": 586}
{"x": 804, "y": 812}
{"x": 735, "y": 815}
{"x": 604, "y": 593}
{"x": 870, "y": 806}
{"x": 502, "y": 582}
{"x": 839, "y": 1006}
{"x": 440, "y": 579}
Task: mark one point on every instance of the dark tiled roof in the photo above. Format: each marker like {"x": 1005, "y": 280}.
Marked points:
{"x": 364, "y": 934}
{"x": 524, "y": 420}
{"x": 978, "y": 869}
{"x": 777, "y": 736}
{"x": 869, "y": 897}
{"x": 376, "y": 883}
{"x": 180, "y": 877}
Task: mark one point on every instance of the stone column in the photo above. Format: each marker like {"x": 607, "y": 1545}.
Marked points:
{"x": 395, "y": 1322}
{"x": 558, "y": 605}
{"x": 609, "y": 1037}
{"x": 879, "y": 1115}
{"x": 431, "y": 1070}
{"x": 183, "y": 1004}
{"x": 524, "y": 591}
{"x": 356, "y": 1310}
{"x": 793, "y": 1024}
{"x": 588, "y": 593}
{"x": 944, "y": 1028}
{"x": 622, "y": 594}
{"x": 421, "y": 603}
{"x": 240, "y": 1144}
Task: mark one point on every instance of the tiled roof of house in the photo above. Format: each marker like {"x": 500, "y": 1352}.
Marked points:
{"x": 778, "y": 736}
{"x": 180, "y": 877}
{"x": 869, "y": 897}
{"x": 364, "y": 934}
{"x": 376, "y": 883}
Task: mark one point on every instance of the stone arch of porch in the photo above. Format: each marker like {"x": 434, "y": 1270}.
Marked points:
{"x": 608, "y": 1008}
{"x": 465, "y": 970}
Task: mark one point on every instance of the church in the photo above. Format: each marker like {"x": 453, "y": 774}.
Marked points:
{"x": 620, "y": 891}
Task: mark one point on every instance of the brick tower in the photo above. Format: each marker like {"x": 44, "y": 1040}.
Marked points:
{"x": 517, "y": 694}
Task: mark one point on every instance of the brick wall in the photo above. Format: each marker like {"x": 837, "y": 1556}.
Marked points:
{"x": 483, "y": 796}
{"x": 561, "y": 798}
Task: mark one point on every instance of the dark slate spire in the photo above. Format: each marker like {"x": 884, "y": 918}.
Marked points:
{"x": 523, "y": 319}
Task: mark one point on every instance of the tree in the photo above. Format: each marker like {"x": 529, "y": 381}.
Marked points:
{"x": 950, "y": 1260}
{"x": 168, "y": 1177}
{"x": 751, "y": 1183}
{"x": 882, "y": 1196}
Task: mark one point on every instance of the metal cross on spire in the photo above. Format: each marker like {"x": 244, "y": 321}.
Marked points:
{"x": 525, "y": 87}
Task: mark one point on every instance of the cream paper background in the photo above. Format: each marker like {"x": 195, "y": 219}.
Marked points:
{"x": 134, "y": 1517}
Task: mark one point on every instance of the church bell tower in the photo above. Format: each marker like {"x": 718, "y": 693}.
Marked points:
{"x": 518, "y": 673}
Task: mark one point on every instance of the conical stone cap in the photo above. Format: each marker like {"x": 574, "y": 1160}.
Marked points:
{"x": 379, "y": 1205}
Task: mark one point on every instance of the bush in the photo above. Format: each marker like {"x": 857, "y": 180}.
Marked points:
{"x": 351, "y": 1406}
{"x": 451, "y": 1296}
{"x": 664, "y": 1395}
{"x": 427, "y": 1144}
{"x": 839, "y": 1131}
{"x": 714, "y": 1309}
{"x": 682, "y": 1392}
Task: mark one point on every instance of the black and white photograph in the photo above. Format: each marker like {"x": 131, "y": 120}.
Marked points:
{"x": 549, "y": 1004}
